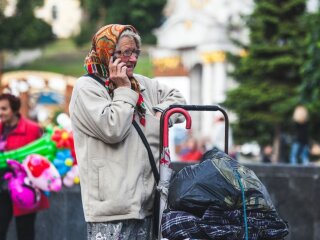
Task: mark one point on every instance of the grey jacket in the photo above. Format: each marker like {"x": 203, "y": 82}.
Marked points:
{"x": 115, "y": 174}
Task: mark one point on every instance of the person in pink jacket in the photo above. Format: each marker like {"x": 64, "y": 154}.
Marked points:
{"x": 15, "y": 132}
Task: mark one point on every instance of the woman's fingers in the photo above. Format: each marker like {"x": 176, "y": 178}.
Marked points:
{"x": 113, "y": 65}
{"x": 123, "y": 70}
{"x": 120, "y": 67}
{"x": 118, "y": 73}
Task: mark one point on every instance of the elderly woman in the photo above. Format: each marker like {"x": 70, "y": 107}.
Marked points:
{"x": 117, "y": 184}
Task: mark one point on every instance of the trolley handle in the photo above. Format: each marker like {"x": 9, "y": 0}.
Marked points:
{"x": 207, "y": 108}
{"x": 197, "y": 107}
{"x": 165, "y": 124}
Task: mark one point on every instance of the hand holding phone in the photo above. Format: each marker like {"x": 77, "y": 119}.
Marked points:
{"x": 118, "y": 72}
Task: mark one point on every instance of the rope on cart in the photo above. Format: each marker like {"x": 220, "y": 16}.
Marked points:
{"x": 238, "y": 176}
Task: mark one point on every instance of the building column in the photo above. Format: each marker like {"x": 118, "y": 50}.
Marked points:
{"x": 214, "y": 84}
{"x": 195, "y": 95}
{"x": 219, "y": 85}
{"x": 207, "y": 93}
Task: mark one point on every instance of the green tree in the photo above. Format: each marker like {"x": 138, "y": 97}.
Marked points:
{"x": 310, "y": 87}
{"x": 23, "y": 30}
{"x": 145, "y": 15}
{"x": 269, "y": 74}
{"x": 93, "y": 13}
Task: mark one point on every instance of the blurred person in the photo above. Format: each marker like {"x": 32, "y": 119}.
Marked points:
{"x": 217, "y": 136}
{"x": 15, "y": 132}
{"x": 191, "y": 150}
{"x": 117, "y": 183}
{"x": 267, "y": 154}
{"x": 180, "y": 135}
{"x": 300, "y": 145}
{"x": 315, "y": 149}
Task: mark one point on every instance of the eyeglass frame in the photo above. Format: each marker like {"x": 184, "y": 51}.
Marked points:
{"x": 129, "y": 53}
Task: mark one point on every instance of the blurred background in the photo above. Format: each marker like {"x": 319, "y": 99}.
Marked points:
{"x": 257, "y": 59}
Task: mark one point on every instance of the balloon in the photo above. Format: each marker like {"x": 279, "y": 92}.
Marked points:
{"x": 43, "y": 146}
{"x": 49, "y": 129}
{"x": 63, "y": 161}
{"x": 62, "y": 138}
{"x": 22, "y": 193}
{"x": 64, "y": 120}
{"x": 73, "y": 153}
{"x": 72, "y": 177}
{"x": 42, "y": 173}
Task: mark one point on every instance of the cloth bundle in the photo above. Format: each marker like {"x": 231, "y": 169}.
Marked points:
{"x": 205, "y": 203}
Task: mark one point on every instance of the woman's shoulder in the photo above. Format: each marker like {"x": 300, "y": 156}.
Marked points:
{"x": 86, "y": 81}
{"x": 30, "y": 123}
{"x": 142, "y": 79}
{"x": 146, "y": 82}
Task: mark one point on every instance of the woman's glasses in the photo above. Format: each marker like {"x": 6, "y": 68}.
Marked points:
{"x": 128, "y": 53}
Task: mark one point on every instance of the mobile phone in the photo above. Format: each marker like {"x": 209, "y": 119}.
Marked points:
{"x": 114, "y": 57}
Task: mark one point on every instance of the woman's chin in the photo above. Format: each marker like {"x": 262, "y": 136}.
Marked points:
{"x": 130, "y": 72}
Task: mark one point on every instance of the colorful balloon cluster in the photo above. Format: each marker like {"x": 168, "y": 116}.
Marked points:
{"x": 41, "y": 165}
{"x": 65, "y": 158}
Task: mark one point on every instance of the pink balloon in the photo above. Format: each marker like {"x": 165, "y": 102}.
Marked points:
{"x": 70, "y": 179}
{"x": 68, "y": 182}
{"x": 22, "y": 193}
{"x": 42, "y": 173}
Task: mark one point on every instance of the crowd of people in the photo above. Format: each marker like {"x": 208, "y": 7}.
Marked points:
{"x": 296, "y": 148}
{"x": 190, "y": 146}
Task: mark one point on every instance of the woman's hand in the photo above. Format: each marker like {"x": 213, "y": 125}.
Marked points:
{"x": 118, "y": 73}
{"x": 158, "y": 114}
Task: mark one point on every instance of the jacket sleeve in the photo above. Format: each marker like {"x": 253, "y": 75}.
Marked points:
{"x": 96, "y": 114}
{"x": 168, "y": 96}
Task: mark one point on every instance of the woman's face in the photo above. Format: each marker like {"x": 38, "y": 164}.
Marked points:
{"x": 127, "y": 44}
{"x": 6, "y": 113}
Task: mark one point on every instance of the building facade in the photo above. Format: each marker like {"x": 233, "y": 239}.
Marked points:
{"x": 193, "y": 42}
{"x": 63, "y": 15}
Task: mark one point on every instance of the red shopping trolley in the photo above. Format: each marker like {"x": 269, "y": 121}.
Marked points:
{"x": 165, "y": 161}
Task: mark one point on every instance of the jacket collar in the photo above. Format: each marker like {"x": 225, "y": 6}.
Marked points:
{"x": 142, "y": 87}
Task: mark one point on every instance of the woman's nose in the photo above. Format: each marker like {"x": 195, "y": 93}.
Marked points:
{"x": 133, "y": 57}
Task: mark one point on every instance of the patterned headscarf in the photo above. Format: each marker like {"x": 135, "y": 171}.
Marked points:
{"x": 97, "y": 61}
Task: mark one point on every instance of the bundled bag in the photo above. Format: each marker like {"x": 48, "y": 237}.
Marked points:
{"x": 214, "y": 182}
{"x": 207, "y": 201}
{"x": 226, "y": 225}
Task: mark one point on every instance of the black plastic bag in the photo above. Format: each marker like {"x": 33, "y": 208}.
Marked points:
{"x": 215, "y": 182}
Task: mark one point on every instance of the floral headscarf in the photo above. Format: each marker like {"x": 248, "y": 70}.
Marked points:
{"x": 97, "y": 61}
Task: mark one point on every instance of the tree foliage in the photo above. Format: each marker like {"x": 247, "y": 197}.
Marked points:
{"x": 23, "y": 30}
{"x": 144, "y": 15}
{"x": 310, "y": 87}
{"x": 268, "y": 75}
